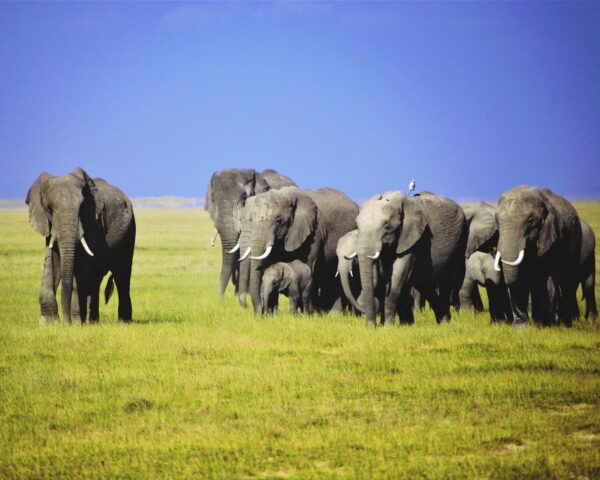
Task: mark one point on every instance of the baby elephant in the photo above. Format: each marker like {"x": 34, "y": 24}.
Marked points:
{"x": 293, "y": 279}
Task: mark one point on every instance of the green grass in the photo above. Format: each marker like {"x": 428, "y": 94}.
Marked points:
{"x": 199, "y": 388}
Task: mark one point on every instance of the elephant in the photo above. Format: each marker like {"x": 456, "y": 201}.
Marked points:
{"x": 539, "y": 251}
{"x": 89, "y": 227}
{"x": 294, "y": 224}
{"x": 483, "y": 227}
{"x": 227, "y": 192}
{"x": 349, "y": 274}
{"x": 587, "y": 276}
{"x": 480, "y": 272}
{"x": 421, "y": 242}
{"x": 293, "y": 279}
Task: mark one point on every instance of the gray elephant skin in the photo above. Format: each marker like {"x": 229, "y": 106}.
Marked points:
{"x": 587, "y": 273}
{"x": 483, "y": 239}
{"x": 421, "y": 241}
{"x": 89, "y": 227}
{"x": 539, "y": 251}
{"x": 294, "y": 224}
{"x": 480, "y": 272}
{"x": 227, "y": 192}
{"x": 292, "y": 279}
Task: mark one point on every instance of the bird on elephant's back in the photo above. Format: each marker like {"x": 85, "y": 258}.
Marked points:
{"x": 420, "y": 242}
{"x": 89, "y": 227}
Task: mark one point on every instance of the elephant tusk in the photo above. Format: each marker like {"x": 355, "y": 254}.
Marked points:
{"x": 51, "y": 244}
{"x": 350, "y": 272}
{"x": 214, "y": 238}
{"x": 243, "y": 257}
{"x": 376, "y": 256}
{"x": 497, "y": 262}
{"x": 351, "y": 256}
{"x": 234, "y": 249}
{"x": 264, "y": 255}
{"x": 517, "y": 261}
{"x": 337, "y": 274}
{"x": 86, "y": 248}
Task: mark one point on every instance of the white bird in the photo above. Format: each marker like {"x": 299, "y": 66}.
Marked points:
{"x": 411, "y": 185}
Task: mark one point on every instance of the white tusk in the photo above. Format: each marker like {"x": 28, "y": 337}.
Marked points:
{"x": 51, "y": 244}
{"x": 85, "y": 246}
{"x": 376, "y": 256}
{"x": 350, "y": 272}
{"x": 517, "y": 261}
{"x": 351, "y": 256}
{"x": 243, "y": 257}
{"x": 497, "y": 262}
{"x": 213, "y": 238}
{"x": 337, "y": 274}
{"x": 264, "y": 255}
{"x": 234, "y": 249}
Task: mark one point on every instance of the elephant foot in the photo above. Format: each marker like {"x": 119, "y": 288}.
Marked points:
{"x": 520, "y": 324}
{"x": 49, "y": 320}
{"x": 389, "y": 323}
{"x": 444, "y": 320}
{"x": 370, "y": 323}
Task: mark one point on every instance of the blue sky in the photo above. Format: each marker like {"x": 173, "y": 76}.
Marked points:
{"x": 468, "y": 98}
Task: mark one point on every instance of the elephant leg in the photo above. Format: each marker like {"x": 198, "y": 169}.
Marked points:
{"x": 445, "y": 291}
{"x": 401, "y": 270}
{"x": 49, "y": 284}
{"x": 519, "y": 299}
{"x": 543, "y": 300}
{"x": 122, "y": 281}
{"x": 466, "y": 294}
{"x": 588, "y": 287}
{"x": 568, "y": 310}
{"x": 95, "y": 299}
{"x": 293, "y": 304}
{"x": 306, "y": 300}
{"x": 406, "y": 308}
{"x": 78, "y": 302}
{"x": 476, "y": 299}
{"x": 493, "y": 301}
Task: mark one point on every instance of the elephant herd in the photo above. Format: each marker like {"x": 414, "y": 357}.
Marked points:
{"x": 396, "y": 251}
{"x": 381, "y": 260}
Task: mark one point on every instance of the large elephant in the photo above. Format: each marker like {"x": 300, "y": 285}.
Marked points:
{"x": 421, "y": 241}
{"x": 227, "y": 192}
{"x": 89, "y": 228}
{"x": 539, "y": 248}
{"x": 480, "y": 272}
{"x": 587, "y": 273}
{"x": 294, "y": 224}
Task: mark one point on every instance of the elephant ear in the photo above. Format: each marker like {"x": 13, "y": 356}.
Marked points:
{"x": 481, "y": 230}
{"x": 304, "y": 222}
{"x": 548, "y": 231}
{"x": 413, "y": 226}
{"x": 260, "y": 184}
{"x": 286, "y": 278}
{"x": 91, "y": 191}
{"x": 209, "y": 205}
{"x": 37, "y": 213}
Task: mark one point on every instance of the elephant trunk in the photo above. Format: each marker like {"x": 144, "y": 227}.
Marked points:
{"x": 260, "y": 243}
{"x": 255, "y": 283}
{"x": 244, "y": 270}
{"x": 344, "y": 270}
{"x": 366, "y": 279}
{"x": 266, "y": 293}
{"x": 511, "y": 247}
{"x": 229, "y": 260}
{"x": 68, "y": 240}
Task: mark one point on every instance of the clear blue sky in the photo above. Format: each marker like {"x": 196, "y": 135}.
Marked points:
{"x": 468, "y": 98}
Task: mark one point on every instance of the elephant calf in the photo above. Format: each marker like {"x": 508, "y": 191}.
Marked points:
{"x": 480, "y": 272}
{"x": 293, "y": 279}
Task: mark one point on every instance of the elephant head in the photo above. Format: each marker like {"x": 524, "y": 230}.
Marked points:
{"x": 528, "y": 226}
{"x": 483, "y": 227}
{"x": 227, "y": 193}
{"x": 63, "y": 209}
{"x": 281, "y": 221}
{"x": 390, "y": 225}
{"x": 275, "y": 279}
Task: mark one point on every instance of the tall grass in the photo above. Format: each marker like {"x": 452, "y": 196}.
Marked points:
{"x": 198, "y": 388}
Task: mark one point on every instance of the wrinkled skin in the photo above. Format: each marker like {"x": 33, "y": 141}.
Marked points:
{"x": 540, "y": 248}
{"x": 226, "y": 194}
{"x": 294, "y": 280}
{"x": 349, "y": 273}
{"x": 587, "y": 275}
{"x": 421, "y": 242}
{"x": 67, "y": 208}
{"x": 299, "y": 225}
{"x": 480, "y": 272}
{"x": 483, "y": 227}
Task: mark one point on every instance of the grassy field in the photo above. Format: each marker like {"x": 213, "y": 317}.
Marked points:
{"x": 198, "y": 388}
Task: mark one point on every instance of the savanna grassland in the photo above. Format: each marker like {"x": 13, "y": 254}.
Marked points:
{"x": 198, "y": 388}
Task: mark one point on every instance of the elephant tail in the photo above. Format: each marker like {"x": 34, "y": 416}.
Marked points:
{"x": 110, "y": 286}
